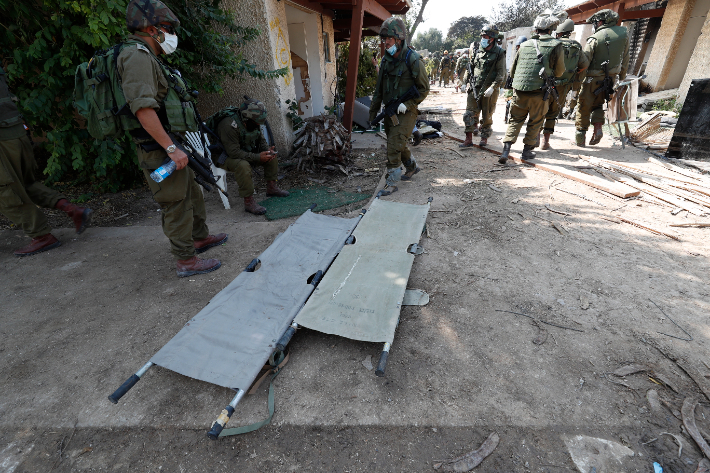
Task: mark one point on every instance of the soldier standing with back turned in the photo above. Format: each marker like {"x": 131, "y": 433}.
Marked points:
{"x": 488, "y": 68}
{"x": 608, "y": 46}
{"x": 445, "y": 69}
{"x": 529, "y": 99}
{"x": 400, "y": 69}
{"x": 158, "y": 97}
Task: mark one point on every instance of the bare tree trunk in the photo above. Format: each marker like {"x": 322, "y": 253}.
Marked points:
{"x": 410, "y": 33}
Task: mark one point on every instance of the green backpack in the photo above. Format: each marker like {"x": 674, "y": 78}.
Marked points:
{"x": 99, "y": 98}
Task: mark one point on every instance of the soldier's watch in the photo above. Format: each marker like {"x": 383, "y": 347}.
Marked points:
{"x": 171, "y": 149}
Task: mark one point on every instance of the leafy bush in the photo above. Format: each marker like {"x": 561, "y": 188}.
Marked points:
{"x": 367, "y": 72}
{"x": 42, "y": 43}
{"x": 670, "y": 105}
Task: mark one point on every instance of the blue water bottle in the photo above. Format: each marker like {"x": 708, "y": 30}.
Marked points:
{"x": 163, "y": 171}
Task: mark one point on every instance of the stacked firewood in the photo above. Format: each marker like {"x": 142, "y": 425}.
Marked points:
{"x": 321, "y": 137}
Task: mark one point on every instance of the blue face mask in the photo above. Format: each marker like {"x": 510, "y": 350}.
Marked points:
{"x": 484, "y": 42}
{"x": 392, "y": 49}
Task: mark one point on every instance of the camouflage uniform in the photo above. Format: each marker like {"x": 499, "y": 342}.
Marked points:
{"x": 145, "y": 86}
{"x": 395, "y": 78}
{"x": 462, "y": 69}
{"x": 445, "y": 70}
{"x": 608, "y": 43}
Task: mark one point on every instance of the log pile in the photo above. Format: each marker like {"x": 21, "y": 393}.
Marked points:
{"x": 649, "y": 134}
{"x": 322, "y": 137}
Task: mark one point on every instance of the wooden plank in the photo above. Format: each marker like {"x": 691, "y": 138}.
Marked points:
{"x": 615, "y": 188}
{"x": 616, "y": 219}
{"x": 664, "y": 196}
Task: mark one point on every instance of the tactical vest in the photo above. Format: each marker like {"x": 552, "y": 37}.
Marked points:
{"x": 484, "y": 63}
{"x": 248, "y": 140}
{"x": 611, "y": 43}
{"x": 9, "y": 114}
{"x": 527, "y": 70}
{"x": 445, "y": 62}
{"x": 397, "y": 75}
{"x": 572, "y": 51}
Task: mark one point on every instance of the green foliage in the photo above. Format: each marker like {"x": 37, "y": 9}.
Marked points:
{"x": 292, "y": 114}
{"x": 513, "y": 14}
{"x": 465, "y": 31}
{"x": 367, "y": 70}
{"x": 669, "y": 105}
{"x": 42, "y": 43}
{"x": 431, "y": 39}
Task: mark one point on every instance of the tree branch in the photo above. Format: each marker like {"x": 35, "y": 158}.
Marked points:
{"x": 410, "y": 33}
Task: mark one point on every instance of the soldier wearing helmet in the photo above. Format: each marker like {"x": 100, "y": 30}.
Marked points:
{"x": 239, "y": 130}
{"x": 461, "y": 69}
{"x": 508, "y": 86}
{"x": 541, "y": 52}
{"x": 488, "y": 75}
{"x": 609, "y": 44}
{"x": 158, "y": 97}
{"x": 400, "y": 69}
{"x": 445, "y": 67}
{"x": 576, "y": 62}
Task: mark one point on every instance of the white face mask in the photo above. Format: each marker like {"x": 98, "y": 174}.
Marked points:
{"x": 170, "y": 44}
{"x": 392, "y": 49}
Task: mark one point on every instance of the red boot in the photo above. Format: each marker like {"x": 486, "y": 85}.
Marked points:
{"x": 38, "y": 245}
{"x": 80, "y": 216}
{"x": 597, "y": 134}
{"x": 195, "y": 265}
{"x": 546, "y": 141}
{"x": 272, "y": 190}
{"x": 211, "y": 241}
{"x": 252, "y": 207}
{"x": 469, "y": 141}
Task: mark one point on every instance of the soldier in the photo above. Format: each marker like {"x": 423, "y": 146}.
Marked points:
{"x": 501, "y": 37}
{"x": 445, "y": 69}
{"x": 488, "y": 68}
{"x": 153, "y": 92}
{"x": 609, "y": 45}
{"x": 461, "y": 69}
{"x": 576, "y": 62}
{"x": 529, "y": 87}
{"x": 399, "y": 70}
{"x": 434, "y": 68}
{"x": 20, "y": 192}
{"x": 239, "y": 131}
{"x": 509, "y": 87}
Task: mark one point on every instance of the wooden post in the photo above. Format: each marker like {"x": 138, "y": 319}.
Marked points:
{"x": 353, "y": 62}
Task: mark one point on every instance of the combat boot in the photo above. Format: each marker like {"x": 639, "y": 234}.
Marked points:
{"x": 211, "y": 241}
{"x": 528, "y": 152}
{"x": 579, "y": 138}
{"x": 475, "y": 130}
{"x": 252, "y": 207}
{"x": 417, "y": 137}
{"x": 38, "y": 245}
{"x": 272, "y": 190}
{"x": 506, "y": 151}
{"x": 80, "y": 216}
{"x": 468, "y": 142}
{"x": 484, "y": 141}
{"x": 546, "y": 141}
{"x": 195, "y": 265}
{"x": 597, "y": 134}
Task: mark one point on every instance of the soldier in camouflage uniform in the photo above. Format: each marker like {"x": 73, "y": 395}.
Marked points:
{"x": 148, "y": 87}
{"x": 400, "y": 69}
{"x": 435, "y": 61}
{"x": 241, "y": 136}
{"x": 488, "y": 67}
{"x": 445, "y": 69}
{"x": 576, "y": 63}
{"x": 608, "y": 43}
{"x": 528, "y": 97}
{"x": 21, "y": 194}
{"x": 461, "y": 69}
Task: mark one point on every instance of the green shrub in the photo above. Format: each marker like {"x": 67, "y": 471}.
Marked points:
{"x": 669, "y": 105}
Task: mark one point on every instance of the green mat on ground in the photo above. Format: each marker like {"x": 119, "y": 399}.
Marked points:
{"x": 301, "y": 199}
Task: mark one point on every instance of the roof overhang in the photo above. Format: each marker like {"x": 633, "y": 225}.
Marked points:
{"x": 579, "y": 13}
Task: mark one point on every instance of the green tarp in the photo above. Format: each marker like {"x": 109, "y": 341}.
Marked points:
{"x": 301, "y": 199}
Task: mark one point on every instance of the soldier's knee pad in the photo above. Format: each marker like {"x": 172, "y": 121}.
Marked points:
{"x": 469, "y": 119}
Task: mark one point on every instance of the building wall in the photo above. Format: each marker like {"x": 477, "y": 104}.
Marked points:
{"x": 668, "y": 42}
{"x": 687, "y": 44}
{"x": 699, "y": 65}
{"x": 510, "y": 38}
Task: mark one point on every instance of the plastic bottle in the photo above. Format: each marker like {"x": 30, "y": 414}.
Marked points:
{"x": 163, "y": 171}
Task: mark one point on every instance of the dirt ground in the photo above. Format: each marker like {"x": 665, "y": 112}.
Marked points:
{"x": 78, "y": 320}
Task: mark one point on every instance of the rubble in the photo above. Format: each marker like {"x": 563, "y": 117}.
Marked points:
{"x": 321, "y": 137}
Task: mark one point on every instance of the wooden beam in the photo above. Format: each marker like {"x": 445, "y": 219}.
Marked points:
{"x": 353, "y": 62}
{"x": 580, "y": 13}
{"x": 344, "y": 23}
{"x": 375, "y": 9}
{"x": 638, "y": 14}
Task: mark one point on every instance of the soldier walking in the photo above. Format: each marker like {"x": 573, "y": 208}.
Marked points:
{"x": 445, "y": 69}
{"x": 461, "y": 69}
{"x": 21, "y": 194}
{"x": 607, "y": 48}
{"x": 576, "y": 62}
{"x": 540, "y": 55}
{"x": 400, "y": 69}
{"x": 154, "y": 93}
{"x": 488, "y": 75}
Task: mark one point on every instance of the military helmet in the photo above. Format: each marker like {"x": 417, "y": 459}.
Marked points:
{"x": 144, "y": 13}
{"x": 393, "y": 27}
{"x": 253, "y": 110}
{"x": 490, "y": 29}
{"x": 609, "y": 17}
{"x": 566, "y": 26}
{"x": 546, "y": 20}
{"x": 521, "y": 40}
{"x": 561, "y": 15}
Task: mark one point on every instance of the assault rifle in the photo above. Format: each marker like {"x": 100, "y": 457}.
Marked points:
{"x": 392, "y": 106}
{"x": 548, "y": 82}
{"x": 471, "y": 82}
{"x": 607, "y": 84}
{"x": 197, "y": 162}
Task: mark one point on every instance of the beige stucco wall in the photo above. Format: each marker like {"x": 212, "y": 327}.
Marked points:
{"x": 269, "y": 51}
{"x": 687, "y": 44}
{"x": 699, "y": 66}
{"x": 668, "y": 41}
